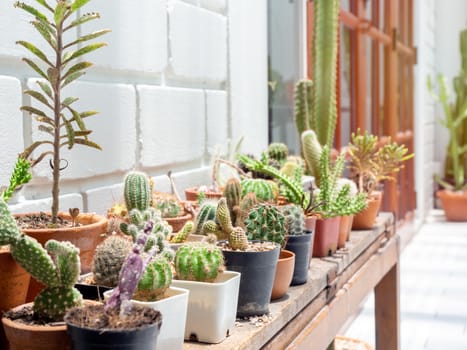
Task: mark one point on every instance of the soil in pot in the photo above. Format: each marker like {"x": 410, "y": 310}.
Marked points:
{"x": 93, "y": 328}
{"x": 300, "y": 246}
{"x": 454, "y": 204}
{"x": 326, "y": 235}
{"x": 283, "y": 275}
{"x": 365, "y": 220}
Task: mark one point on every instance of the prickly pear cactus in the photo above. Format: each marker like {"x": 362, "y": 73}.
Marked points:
{"x": 155, "y": 280}
{"x": 206, "y": 212}
{"x": 137, "y": 191}
{"x": 265, "y": 222}
{"x": 198, "y": 261}
{"x": 108, "y": 260}
{"x": 294, "y": 219}
{"x": 278, "y": 151}
{"x": 262, "y": 188}
{"x": 233, "y": 194}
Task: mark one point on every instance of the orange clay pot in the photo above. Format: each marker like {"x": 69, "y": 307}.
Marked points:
{"x": 365, "y": 220}
{"x": 191, "y": 194}
{"x": 326, "y": 235}
{"x": 454, "y": 204}
{"x": 284, "y": 273}
{"x": 345, "y": 226}
{"x": 178, "y": 221}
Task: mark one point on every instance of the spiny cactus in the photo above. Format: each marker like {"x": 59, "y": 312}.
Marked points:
{"x": 206, "y": 212}
{"x": 21, "y": 175}
{"x": 182, "y": 235}
{"x": 294, "y": 219}
{"x": 246, "y": 204}
{"x": 265, "y": 222}
{"x": 137, "y": 191}
{"x": 302, "y": 108}
{"x": 168, "y": 205}
{"x": 278, "y": 151}
{"x": 262, "y": 188}
{"x": 108, "y": 260}
{"x": 233, "y": 194}
{"x": 57, "y": 266}
{"x": 155, "y": 280}
{"x": 198, "y": 261}
{"x": 312, "y": 152}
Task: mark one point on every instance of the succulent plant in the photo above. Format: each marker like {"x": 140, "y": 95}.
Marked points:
{"x": 206, "y": 212}
{"x": 182, "y": 235}
{"x": 21, "y": 175}
{"x": 155, "y": 280}
{"x": 58, "y": 119}
{"x": 233, "y": 195}
{"x": 246, "y": 204}
{"x": 302, "y": 108}
{"x": 265, "y": 222}
{"x": 57, "y": 266}
{"x": 263, "y": 189}
{"x": 137, "y": 191}
{"x": 294, "y": 219}
{"x": 168, "y": 205}
{"x": 198, "y": 261}
{"x": 108, "y": 260}
{"x": 312, "y": 152}
{"x": 278, "y": 151}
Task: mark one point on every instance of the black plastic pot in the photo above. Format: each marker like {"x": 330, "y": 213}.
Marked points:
{"x": 257, "y": 277}
{"x": 300, "y": 245}
{"x": 92, "y": 291}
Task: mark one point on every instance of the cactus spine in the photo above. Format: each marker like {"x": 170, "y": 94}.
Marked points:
{"x": 198, "y": 261}
{"x": 265, "y": 222}
{"x": 294, "y": 219}
{"x": 233, "y": 194}
{"x": 262, "y": 188}
{"x": 57, "y": 266}
{"x": 137, "y": 191}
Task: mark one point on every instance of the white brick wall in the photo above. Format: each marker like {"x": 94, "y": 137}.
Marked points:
{"x": 166, "y": 87}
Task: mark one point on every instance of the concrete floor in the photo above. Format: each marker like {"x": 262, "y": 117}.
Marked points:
{"x": 433, "y": 290}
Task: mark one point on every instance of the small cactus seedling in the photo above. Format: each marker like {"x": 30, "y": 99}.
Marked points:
{"x": 265, "y": 222}
{"x": 198, "y": 261}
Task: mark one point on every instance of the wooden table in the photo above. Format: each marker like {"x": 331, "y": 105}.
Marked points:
{"x": 310, "y": 315}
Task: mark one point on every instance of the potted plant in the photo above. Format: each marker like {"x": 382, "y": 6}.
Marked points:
{"x": 57, "y": 267}
{"x": 199, "y": 268}
{"x": 56, "y": 116}
{"x": 453, "y": 195}
{"x": 370, "y": 163}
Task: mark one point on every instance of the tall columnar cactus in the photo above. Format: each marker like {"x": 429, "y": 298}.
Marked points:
{"x": 137, "y": 191}
{"x": 108, "y": 260}
{"x": 57, "y": 266}
{"x": 198, "y": 261}
{"x": 312, "y": 152}
{"x": 302, "y": 109}
{"x": 278, "y": 151}
{"x": 206, "y": 212}
{"x": 294, "y": 219}
{"x": 262, "y": 188}
{"x": 266, "y": 222}
{"x": 233, "y": 195}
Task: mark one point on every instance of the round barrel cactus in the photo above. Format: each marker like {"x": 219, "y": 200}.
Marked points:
{"x": 198, "y": 261}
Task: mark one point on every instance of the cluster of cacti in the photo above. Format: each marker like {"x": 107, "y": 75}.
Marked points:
{"x": 137, "y": 191}
{"x": 233, "y": 195}
{"x": 57, "y": 266}
{"x": 265, "y": 222}
{"x": 182, "y": 235}
{"x": 294, "y": 219}
{"x": 108, "y": 260}
{"x": 206, "y": 212}
{"x": 349, "y": 202}
{"x": 278, "y": 151}
{"x": 198, "y": 261}
{"x": 21, "y": 175}
{"x": 168, "y": 205}
{"x": 263, "y": 189}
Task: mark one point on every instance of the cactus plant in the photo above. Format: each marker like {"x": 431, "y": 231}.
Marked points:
{"x": 59, "y": 119}
{"x": 20, "y": 176}
{"x": 155, "y": 280}
{"x": 198, "y": 261}
{"x": 312, "y": 152}
{"x": 246, "y": 204}
{"x": 57, "y": 266}
{"x": 302, "y": 107}
{"x": 265, "y": 222}
{"x": 137, "y": 191}
{"x": 262, "y": 188}
{"x": 278, "y": 151}
{"x": 294, "y": 219}
{"x": 108, "y": 260}
{"x": 181, "y": 235}
{"x": 233, "y": 194}
{"x": 168, "y": 205}
{"x": 206, "y": 212}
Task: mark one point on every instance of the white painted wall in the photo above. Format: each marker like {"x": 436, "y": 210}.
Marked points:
{"x": 177, "y": 78}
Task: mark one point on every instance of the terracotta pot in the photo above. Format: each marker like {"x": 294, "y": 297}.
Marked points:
{"x": 35, "y": 337}
{"x": 191, "y": 194}
{"x": 365, "y": 220}
{"x": 454, "y": 204}
{"x": 310, "y": 223}
{"x": 178, "y": 222}
{"x": 284, "y": 273}
{"x": 85, "y": 237}
{"x": 345, "y": 226}
{"x": 326, "y": 235}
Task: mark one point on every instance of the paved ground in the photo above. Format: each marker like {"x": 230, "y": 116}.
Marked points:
{"x": 433, "y": 290}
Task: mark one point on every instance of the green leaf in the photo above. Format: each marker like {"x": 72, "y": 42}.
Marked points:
{"x": 52, "y": 74}
{"x": 47, "y": 129}
{"x": 88, "y": 37}
{"x": 76, "y": 68}
{"x": 78, "y": 4}
{"x": 88, "y": 143}
{"x": 28, "y": 151}
{"x": 32, "y": 10}
{"x": 46, "y": 120}
{"x": 88, "y": 114}
{"x": 72, "y": 77}
{"x": 33, "y": 111}
{"x": 68, "y": 101}
{"x": 70, "y": 133}
{"x": 77, "y": 118}
{"x": 44, "y": 31}
{"x": 45, "y": 4}
{"x": 38, "y": 96}
{"x": 60, "y": 12}
{"x": 84, "y": 50}
{"x": 35, "y": 67}
{"x": 83, "y": 19}
{"x": 35, "y": 51}
{"x": 45, "y": 87}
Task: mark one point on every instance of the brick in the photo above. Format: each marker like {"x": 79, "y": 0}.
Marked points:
{"x": 73, "y": 200}
{"x": 11, "y": 126}
{"x": 138, "y": 41}
{"x": 114, "y": 129}
{"x": 216, "y": 112}
{"x": 171, "y": 126}
{"x": 198, "y": 41}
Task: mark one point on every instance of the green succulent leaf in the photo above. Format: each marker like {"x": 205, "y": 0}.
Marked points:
{"x": 32, "y": 10}
{"x": 60, "y": 12}
{"x": 78, "y": 4}
{"x": 44, "y": 29}
{"x": 38, "y": 96}
{"x": 45, "y": 4}
{"x": 70, "y": 133}
{"x": 83, "y": 19}
{"x": 47, "y": 129}
{"x": 33, "y": 49}
{"x": 84, "y": 50}
{"x": 77, "y": 118}
{"x": 45, "y": 87}
{"x": 52, "y": 74}
{"x": 71, "y": 78}
{"x": 87, "y": 37}
{"x": 88, "y": 114}
{"x": 35, "y": 67}
{"x": 76, "y": 68}
{"x": 88, "y": 143}
{"x": 46, "y": 120}
{"x": 33, "y": 110}
{"x": 68, "y": 101}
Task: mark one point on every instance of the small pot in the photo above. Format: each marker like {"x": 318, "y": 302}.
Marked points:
{"x": 14, "y": 281}
{"x": 345, "y": 226}
{"x": 310, "y": 223}
{"x": 326, "y": 235}
{"x": 300, "y": 246}
{"x": 365, "y": 219}
{"x": 91, "y": 291}
{"x": 257, "y": 277}
{"x": 454, "y": 204}
{"x": 191, "y": 194}
{"x": 178, "y": 222}
{"x": 284, "y": 274}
